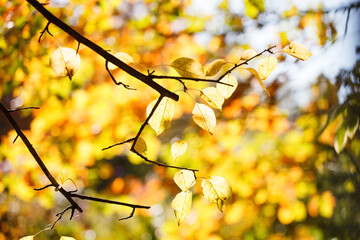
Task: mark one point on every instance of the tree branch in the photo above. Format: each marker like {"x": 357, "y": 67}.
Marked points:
{"x": 69, "y": 195}
{"x": 37, "y": 158}
{"x": 100, "y": 51}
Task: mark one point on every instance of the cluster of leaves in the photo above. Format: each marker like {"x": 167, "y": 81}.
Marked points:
{"x": 69, "y": 131}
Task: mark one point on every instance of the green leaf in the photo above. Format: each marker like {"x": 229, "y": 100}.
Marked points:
{"x": 352, "y": 123}
{"x": 188, "y": 67}
{"x": 27, "y": 238}
{"x": 340, "y": 138}
{"x": 67, "y": 238}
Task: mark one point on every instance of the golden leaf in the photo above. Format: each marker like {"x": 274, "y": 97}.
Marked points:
{"x": 64, "y": 176}
{"x": 257, "y": 76}
{"x": 267, "y": 66}
{"x": 204, "y": 116}
{"x": 27, "y": 238}
{"x": 178, "y": 148}
{"x": 212, "y": 97}
{"x": 140, "y": 146}
{"x": 124, "y": 57}
{"x": 297, "y": 50}
{"x": 227, "y": 90}
{"x": 248, "y": 54}
{"x": 188, "y": 67}
{"x": 185, "y": 179}
{"x": 65, "y": 61}
{"x": 163, "y": 114}
{"x": 182, "y": 205}
{"x": 67, "y": 238}
{"x": 217, "y": 190}
{"x": 214, "y": 67}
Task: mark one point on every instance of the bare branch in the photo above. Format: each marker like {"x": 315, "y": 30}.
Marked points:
{"x": 116, "y": 144}
{"x": 46, "y": 29}
{"x": 25, "y": 108}
{"x": 130, "y": 216}
{"x": 112, "y": 77}
{"x": 100, "y": 51}
{"x": 102, "y": 200}
{"x": 60, "y": 214}
{"x": 42, "y": 188}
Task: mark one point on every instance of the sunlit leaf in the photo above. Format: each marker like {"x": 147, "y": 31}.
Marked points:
{"x": 204, "y": 116}
{"x": 67, "y": 238}
{"x": 214, "y": 67}
{"x": 27, "y": 238}
{"x": 248, "y": 54}
{"x": 257, "y": 76}
{"x": 188, "y": 67}
{"x": 178, "y": 148}
{"x": 64, "y": 176}
{"x": 140, "y": 146}
{"x": 65, "y": 61}
{"x": 352, "y": 124}
{"x": 212, "y": 97}
{"x": 297, "y": 50}
{"x": 217, "y": 190}
{"x": 340, "y": 138}
{"x": 182, "y": 205}
{"x": 266, "y": 66}
{"x": 185, "y": 179}
{"x": 163, "y": 114}
{"x": 227, "y": 90}
{"x": 126, "y": 58}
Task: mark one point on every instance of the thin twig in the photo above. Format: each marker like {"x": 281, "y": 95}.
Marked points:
{"x": 101, "y": 52}
{"x": 42, "y": 188}
{"x": 60, "y": 214}
{"x": 112, "y": 77}
{"x": 46, "y": 29}
{"x": 24, "y": 108}
{"x": 102, "y": 200}
{"x": 116, "y": 144}
{"x": 130, "y": 216}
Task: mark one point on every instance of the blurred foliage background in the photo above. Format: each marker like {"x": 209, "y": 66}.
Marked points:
{"x": 277, "y": 153}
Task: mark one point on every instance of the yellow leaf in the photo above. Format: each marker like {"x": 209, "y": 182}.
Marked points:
{"x": 64, "y": 176}
{"x": 65, "y": 61}
{"x": 212, "y": 97}
{"x": 257, "y": 76}
{"x": 126, "y": 58}
{"x": 178, "y": 148}
{"x": 217, "y": 190}
{"x": 185, "y": 179}
{"x": 214, "y": 67}
{"x": 27, "y": 238}
{"x": 182, "y": 205}
{"x": 248, "y": 54}
{"x": 297, "y": 50}
{"x": 267, "y": 66}
{"x": 204, "y": 116}
{"x": 188, "y": 67}
{"x": 67, "y": 238}
{"x": 163, "y": 114}
{"x": 227, "y": 90}
{"x": 140, "y": 146}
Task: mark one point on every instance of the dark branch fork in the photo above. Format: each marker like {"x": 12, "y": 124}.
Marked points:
{"x": 69, "y": 195}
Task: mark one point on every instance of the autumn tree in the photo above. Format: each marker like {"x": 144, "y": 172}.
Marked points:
{"x": 83, "y": 80}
